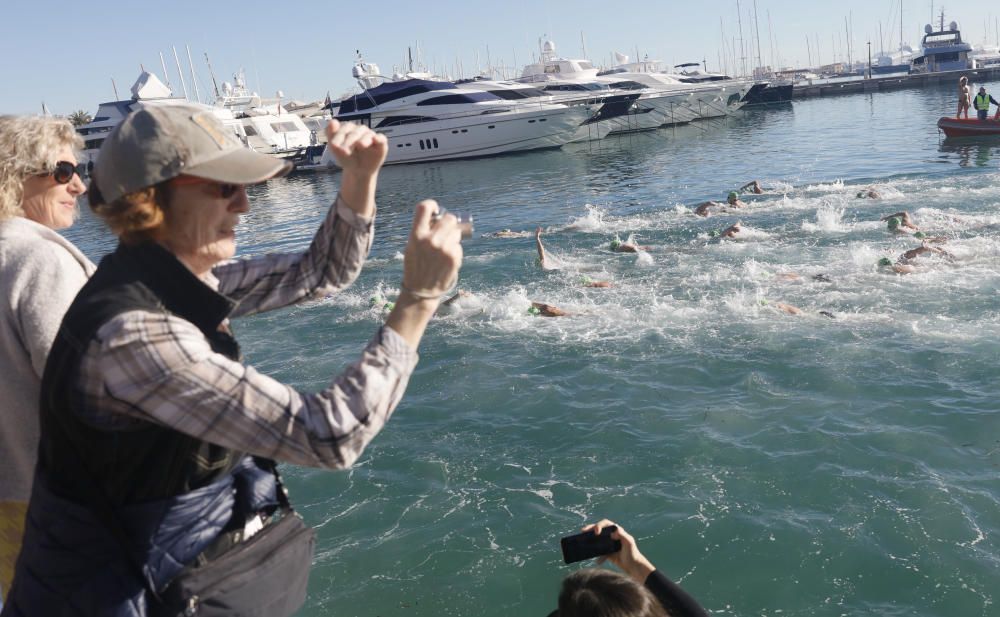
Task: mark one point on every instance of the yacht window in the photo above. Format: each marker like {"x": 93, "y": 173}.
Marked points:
{"x": 95, "y": 144}
{"x": 284, "y": 127}
{"x": 585, "y": 64}
{"x": 391, "y": 91}
{"x": 398, "y": 120}
{"x": 251, "y": 131}
{"x": 552, "y": 68}
{"x": 628, "y": 85}
{"x": 454, "y": 99}
{"x": 520, "y": 93}
{"x": 952, "y": 57}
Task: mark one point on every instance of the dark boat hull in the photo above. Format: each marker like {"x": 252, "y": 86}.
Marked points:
{"x": 768, "y": 94}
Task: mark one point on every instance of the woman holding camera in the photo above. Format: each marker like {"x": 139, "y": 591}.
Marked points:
{"x": 40, "y": 274}
{"x": 156, "y": 490}
{"x": 643, "y": 591}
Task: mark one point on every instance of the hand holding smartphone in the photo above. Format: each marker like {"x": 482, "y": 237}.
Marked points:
{"x": 588, "y": 544}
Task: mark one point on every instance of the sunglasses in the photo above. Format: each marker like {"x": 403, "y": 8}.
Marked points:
{"x": 224, "y": 190}
{"x": 64, "y": 171}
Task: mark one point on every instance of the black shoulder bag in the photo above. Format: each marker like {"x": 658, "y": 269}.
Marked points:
{"x": 263, "y": 576}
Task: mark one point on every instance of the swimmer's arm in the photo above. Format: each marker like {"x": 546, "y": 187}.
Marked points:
{"x": 903, "y": 215}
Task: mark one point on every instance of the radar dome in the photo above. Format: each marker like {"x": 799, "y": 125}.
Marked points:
{"x": 953, "y": 26}
{"x": 928, "y": 29}
{"x": 549, "y": 46}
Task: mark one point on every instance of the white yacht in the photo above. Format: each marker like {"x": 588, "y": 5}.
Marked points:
{"x": 556, "y": 75}
{"x": 267, "y": 126}
{"x": 147, "y": 90}
{"x": 427, "y": 120}
{"x": 708, "y": 95}
{"x": 600, "y": 106}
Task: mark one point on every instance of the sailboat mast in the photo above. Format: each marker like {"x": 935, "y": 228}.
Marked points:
{"x": 164, "y": 65}
{"x": 743, "y": 55}
{"x": 194, "y": 80}
{"x": 180, "y": 73}
{"x": 756, "y": 25}
{"x": 212, "y": 73}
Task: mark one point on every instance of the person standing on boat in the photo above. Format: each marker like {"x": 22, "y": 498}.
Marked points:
{"x": 982, "y": 103}
{"x": 964, "y": 97}
{"x": 158, "y": 443}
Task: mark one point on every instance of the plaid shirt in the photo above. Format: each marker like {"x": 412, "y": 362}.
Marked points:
{"x": 157, "y": 367}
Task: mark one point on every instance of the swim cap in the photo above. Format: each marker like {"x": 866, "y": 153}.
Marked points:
{"x": 714, "y": 233}
{"x": 862, "y": 194}
{"x": 534, "y": 310}
{"x": 615, "y": 244}
{"x": 920, "y": 234}
{"x": 586, "y": 280}
{"x": 733, "y": 195}
{"x": 885, "y": 261}
{"x": 894, "y": 223}
{"x": 389, "y": 306}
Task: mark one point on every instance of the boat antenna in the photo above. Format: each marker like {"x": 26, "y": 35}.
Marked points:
{"x": 115, "y": 87}
{"x": 215, "y": 84}
{"x": 409, "y": 54}
{"x": 583, "y": 45}
{"x": 194, "y": 80}
{"x": 180, "y": 73}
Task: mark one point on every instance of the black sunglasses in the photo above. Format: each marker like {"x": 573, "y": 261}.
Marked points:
{"x": 64, "y": 170}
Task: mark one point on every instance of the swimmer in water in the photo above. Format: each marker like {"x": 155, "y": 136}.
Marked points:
{"x": 869, "y": 193}
{"x": 542, "y": 309}
{"x": 751, "y": 187}
{"x": 587, "y": 281}
{"x": 618, "y": 246}
{"x": 905, "y": 264}
{"x": 791, "y": 309}
{"x": 506, "y": 233}
{"x": 732, "y": 200}
{"x": 900, "y": 223}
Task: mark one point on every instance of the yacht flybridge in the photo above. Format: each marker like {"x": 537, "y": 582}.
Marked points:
{"x": 426, "y": 120}
{"x": 147, "y": 90}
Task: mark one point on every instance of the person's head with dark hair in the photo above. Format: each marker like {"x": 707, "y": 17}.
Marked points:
{"x": 603, "y": 593}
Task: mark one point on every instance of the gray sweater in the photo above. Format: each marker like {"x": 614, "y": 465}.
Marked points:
{"x": 40, "y": 274}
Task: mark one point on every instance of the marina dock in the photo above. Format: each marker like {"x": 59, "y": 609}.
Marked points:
{"x": 892, "y": 82}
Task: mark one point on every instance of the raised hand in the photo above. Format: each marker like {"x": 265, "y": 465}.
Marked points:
{"x": 629, "y": 559}
{"x": 357, "y": 148}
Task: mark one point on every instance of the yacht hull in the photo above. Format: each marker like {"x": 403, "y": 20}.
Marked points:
{"x": 476, "y": 136}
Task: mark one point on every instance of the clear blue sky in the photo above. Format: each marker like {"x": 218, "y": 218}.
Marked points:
{"x": 66, "y": 53}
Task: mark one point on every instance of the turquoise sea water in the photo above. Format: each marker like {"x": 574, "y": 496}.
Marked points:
{"x": 773, "y": 464}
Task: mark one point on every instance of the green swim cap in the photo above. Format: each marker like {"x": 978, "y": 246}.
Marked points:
{"x": 714, "y": 233}
{"x": 894, "y": 223}
{"x": 615, "y": 244}
{"x": 586, "y": 280}
{"x": 534, "y": 310}
{"x": 885, "y": 261}
{"x": 733, "y": 195}
{"x": 389, "y": 306}
{"x": 920, "y": 234}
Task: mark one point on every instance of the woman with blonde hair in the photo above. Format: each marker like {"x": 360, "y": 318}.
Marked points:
{"x": 40, "y": 274}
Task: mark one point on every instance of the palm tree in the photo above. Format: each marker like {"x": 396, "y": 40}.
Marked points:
{"x": 79, "y": 117}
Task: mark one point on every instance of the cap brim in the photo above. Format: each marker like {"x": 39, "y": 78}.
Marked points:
{"x": 242, "y": 166}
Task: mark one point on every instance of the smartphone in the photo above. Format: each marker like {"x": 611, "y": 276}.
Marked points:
{"x": 588, "y": 544}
